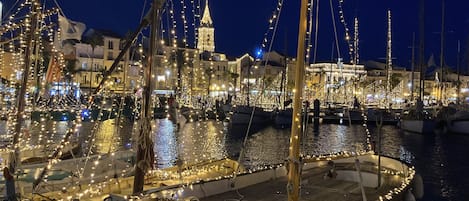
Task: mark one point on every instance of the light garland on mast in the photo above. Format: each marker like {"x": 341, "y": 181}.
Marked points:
{"x": 347, "y": 30}
{"x": 272, "y": 23}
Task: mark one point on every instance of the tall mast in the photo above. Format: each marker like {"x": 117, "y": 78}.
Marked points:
{"x": 144, "y": 155}
{"x": 294, "y": 158}
{"x": 442, "y": 50}
{"x": 356, "y": 55}
{"x": 422, "y": 49}
{"x": 458, "y": 71}
{"x": 413, "y": 68}
{"x": 388, "y": 60}
{"x": 27, "y": 64}
{"x": 21, "y": 103}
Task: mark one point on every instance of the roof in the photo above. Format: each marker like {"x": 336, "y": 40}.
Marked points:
{"x": 102, "y": 32}
{"x": 109, "y": 33}
{"x": 376, "y": 65}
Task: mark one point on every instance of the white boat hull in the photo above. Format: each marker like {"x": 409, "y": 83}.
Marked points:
{"x": 426, "y": 126}
{"x": 206, "y": 189}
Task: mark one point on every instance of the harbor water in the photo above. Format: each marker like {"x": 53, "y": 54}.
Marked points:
{"x": 439, "y": 159}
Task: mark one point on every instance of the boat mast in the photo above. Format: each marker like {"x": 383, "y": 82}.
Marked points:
{"x": 458, "y": 70}
{"x": 294, "y": 158}
{"x": 422, "y": 50}
{"x": 27, "y": 63}
{"x": 413, "y": 69}
{"x": 442, "y": 50}
{"x": 15, "y": 160}
{"x": 388, "y": 61}
{"x": 355, "y": 56}
{"x": 144, "y": 155}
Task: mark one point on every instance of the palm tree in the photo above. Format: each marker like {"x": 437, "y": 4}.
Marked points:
{"x": 235, "y": 77}
{"x": 70, "y": 70}
{"x": 94, "y": 39}
{"x": 209, "y": 73}
{"x": 395, "y": 80}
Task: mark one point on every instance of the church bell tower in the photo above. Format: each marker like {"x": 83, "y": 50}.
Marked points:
{"x": 206, "y": 35}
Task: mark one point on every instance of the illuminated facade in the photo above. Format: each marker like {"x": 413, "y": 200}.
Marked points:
{"x": 335, "y": 82}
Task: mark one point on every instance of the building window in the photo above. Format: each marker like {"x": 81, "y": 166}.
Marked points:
{"x": 110, "y": 45}
{"x": 110, "y": 56}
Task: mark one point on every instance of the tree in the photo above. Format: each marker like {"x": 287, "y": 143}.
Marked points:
{"x": 94, "y": 39}
{"x": 235, "y": 77}
{"x": 70, "y": 69}
{"x": 209, "y": 73}
{"x": 395, "y": 80}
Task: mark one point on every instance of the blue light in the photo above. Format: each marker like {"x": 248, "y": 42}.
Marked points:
{"x": 259, "y": 53}
{"x": 85, "y": 113}
{"x": 64, "y": 117}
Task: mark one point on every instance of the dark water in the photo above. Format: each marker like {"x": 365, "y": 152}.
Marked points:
{"x": 440, "y": 159}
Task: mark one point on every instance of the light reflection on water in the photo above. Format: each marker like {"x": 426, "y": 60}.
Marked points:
{"x": 440, "y": 159}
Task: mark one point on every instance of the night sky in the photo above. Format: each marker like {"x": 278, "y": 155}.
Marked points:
{"x": 240, "y": 24}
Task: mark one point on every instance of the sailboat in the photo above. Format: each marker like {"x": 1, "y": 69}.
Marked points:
{"x": 458, "y": 120}
{"x": 345, "y": 175}
{"x": 417, "y": 120}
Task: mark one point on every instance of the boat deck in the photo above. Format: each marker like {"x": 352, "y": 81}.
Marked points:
{"x": 314, "y": 187}
{"x": 124, "y": 186}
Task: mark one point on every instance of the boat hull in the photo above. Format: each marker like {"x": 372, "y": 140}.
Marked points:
{"x": 459, "y": 127}
{"x": 426, "y": 126}
{"x": 242, "y": 116}
{"x": 273, "y": 178}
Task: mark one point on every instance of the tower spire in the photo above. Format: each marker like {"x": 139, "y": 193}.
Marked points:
{"x": 206, "y": 32}
{"x": 206, "y": 18}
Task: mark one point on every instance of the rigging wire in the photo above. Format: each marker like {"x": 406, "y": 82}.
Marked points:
{"x": 316, "y": 32}
{"x": 275, "y": 16}
{"x": 347, "y": 30}
{"x": 142, "y": 14}
{"x": 310, "y": 30}
{"x": 10, "y": 10}
{"x": 335, "y": 29}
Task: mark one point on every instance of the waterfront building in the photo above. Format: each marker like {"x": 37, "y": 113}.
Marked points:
{"x": 91, "y": 62}
{"x": 335, "y": 82}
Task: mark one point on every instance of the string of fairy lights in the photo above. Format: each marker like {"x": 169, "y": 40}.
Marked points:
{"x": 273, "y": 21}
{"x": 348, "y": 37}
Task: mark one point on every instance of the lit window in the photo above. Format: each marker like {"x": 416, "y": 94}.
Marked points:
{"x": 110, "y": 45}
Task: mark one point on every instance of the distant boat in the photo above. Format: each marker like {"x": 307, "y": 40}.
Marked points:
{"x": 424, "y": 126}
{"x": 459, "y": 123}
{"x": 418, "y": 121}
{"x": 390, "y": 117}
{"x": 454, "y": 119}
{"x": 242, "y": 115}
